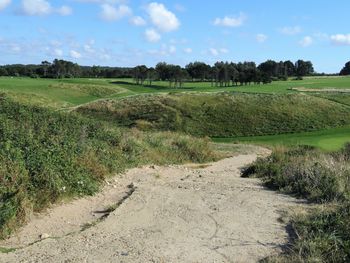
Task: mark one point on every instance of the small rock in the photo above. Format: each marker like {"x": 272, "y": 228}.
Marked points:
{"x": 44, "y": 236}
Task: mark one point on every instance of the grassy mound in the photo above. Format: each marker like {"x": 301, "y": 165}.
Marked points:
{"x": 222, "y": 115}
{"x": 323, "y": 234}
{"x": 47, "y": 156}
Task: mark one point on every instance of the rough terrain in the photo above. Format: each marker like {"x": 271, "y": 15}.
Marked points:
{"x": 190, "y": 213}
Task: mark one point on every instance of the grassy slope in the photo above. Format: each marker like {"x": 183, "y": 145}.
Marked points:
{"x": 327, "y": 140}
{"x": 223, "y": 115}
{"x": 57, "y": 93}
{"x": 51, "y": 91}
{"x": 46, "y": 156}
{"x": 73, "y": 92}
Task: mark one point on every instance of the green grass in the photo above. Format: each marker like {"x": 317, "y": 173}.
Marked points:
{"x": 222, "y": 115}
{"x": 61, "y": 93}
{"x": 327, "y": 140}
{"x": 67, "y": 93}
{"x": 274, "y": 87}
{"x": 57, "y": 93}
{"x": 47, "y": 156}
{"x": 321, "y": 234}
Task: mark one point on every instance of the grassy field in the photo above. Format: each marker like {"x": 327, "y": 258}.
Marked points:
{"x": 68, "y": 93}
{"x": 222, "y": 115}
{"x": 327, "y": 140}
{"x": 72, "y": 92}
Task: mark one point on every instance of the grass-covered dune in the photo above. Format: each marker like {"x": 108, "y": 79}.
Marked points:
{"x": 47, "y": 156}
{"x": 323, "y": 234}
{"x": 224, "y": 114}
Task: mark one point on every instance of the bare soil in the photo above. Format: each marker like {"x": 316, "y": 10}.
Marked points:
{"x": 189, "y": 213}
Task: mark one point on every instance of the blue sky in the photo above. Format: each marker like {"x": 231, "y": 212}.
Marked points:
{"x": 132, "y": 32}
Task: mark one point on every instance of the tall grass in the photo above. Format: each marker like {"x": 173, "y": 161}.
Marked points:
{"x": 222, "y": 115}
{"x": 47, "y": 156}
{"x": 323, "y": 235}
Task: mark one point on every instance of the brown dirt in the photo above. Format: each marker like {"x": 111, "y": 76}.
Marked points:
{"x": 190, "y": 213}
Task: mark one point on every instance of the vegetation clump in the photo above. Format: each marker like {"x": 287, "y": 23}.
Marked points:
{"x": 323, "y": 234}
{"x": 47, "y": 156}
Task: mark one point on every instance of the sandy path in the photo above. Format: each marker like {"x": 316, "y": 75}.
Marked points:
{"x": 169, "y": 214}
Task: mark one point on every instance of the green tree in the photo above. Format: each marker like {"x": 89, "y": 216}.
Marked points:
{"x": 345, "y": 70}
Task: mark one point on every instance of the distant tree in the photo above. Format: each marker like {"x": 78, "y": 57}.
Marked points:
{"x": 140, "y": 74}
{"x": 95, "y": 71}
{"x": 162, "y": 69}
{"x": 3, "y": 72}
{"x": 269, "y": 68}
{"x": 45, "y": 67}
{"x": 290, "y": 68}
{"x": 346, "y": 69}
{"x": 303, "y": 68}
{"x": 176, "y": 75}
{"x": 151, "y": 75}
{"x": 198, "y": 70}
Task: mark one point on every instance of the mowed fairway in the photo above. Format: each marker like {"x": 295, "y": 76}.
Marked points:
{"x": 76, "y": 91}
{"x": 327, "y": 140}
{"x": 66, "y": 93}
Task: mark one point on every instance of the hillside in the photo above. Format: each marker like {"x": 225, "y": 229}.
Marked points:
{"x": 46, "y": 156}
{"x": 222, "y": 115}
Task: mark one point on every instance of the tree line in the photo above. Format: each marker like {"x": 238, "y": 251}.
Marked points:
{"x": 64, "y": 69}
{"x": 223, "y": 74}
{"x": 220, "y": 74}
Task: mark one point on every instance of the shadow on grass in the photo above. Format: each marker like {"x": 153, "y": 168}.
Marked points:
{"x": 154, "y": 87}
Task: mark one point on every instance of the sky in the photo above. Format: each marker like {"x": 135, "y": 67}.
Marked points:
{"x": 134, "y": 32}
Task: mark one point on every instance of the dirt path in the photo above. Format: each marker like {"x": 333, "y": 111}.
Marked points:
{"x": 162, "y": 214}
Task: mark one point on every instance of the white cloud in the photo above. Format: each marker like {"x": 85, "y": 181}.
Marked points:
{"x": 214, "y": 51}
{"x": 64, "y": 10}
{"x": 41, "y": 8}
{"x": 103, "y": 1}
{"x": 164, "y": 51}
{"x": 15, "y": 48}
{"x": 75, "y": 54}
{"x": 230, "y": 21}
{"x": 55, "y": 44}
{"x": 112, "y": 13}
{"x": 290, "y": 30}
{"x": 261, "y": 38}
{"x": 36, "y": 7}
{"x": 306, "y": 41}
{"x": 341, "y": 39}
{"x": 88, "y": 48}
{"x": 218, "y": 51}
{"x": 137, "y": 21}
{"x": 4, "y": 4}
{"x": 152, "y": 35}
{"x": 162, "y": 18}
{"x": 188, "y": 50}
{"x": 57, "y": 52}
